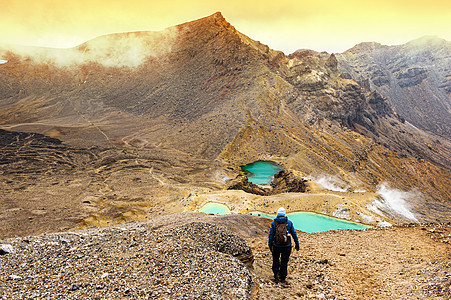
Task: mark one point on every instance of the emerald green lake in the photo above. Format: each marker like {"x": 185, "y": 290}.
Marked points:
{"x": 261, "y": 171}
{"x": 312, "y": 222}
{"x": 215, "y": 208}
{"x": 303, "y": 221}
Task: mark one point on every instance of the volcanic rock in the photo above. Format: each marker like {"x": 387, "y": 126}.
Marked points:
{"x": 242, "y": 183}
{"x": 414, "y": 77}
{"x": 6, "y": 248}
{"x": 284, "y": 181}
{"x": 183, "y": 262}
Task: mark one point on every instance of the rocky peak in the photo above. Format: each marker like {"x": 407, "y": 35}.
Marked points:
{"x": 221, "y": 21}
{"x": 366, "y": 46}
{"x": 428, "y": 41}
{"x": 214, "y": 20}
{"x": 332, "y": 63}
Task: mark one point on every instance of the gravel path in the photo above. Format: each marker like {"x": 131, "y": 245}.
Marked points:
{"x": 410, "y": 262}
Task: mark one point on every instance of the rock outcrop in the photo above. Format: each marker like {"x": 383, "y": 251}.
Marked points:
{"x": 284, "y": 181}
{"x": 242, "y": 183}
{"x": 414, "y": 78}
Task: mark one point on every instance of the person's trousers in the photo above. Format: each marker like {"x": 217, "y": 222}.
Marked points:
{"x": 280, "y": 257}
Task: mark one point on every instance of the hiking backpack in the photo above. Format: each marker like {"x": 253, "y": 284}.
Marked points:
{"x": 281, "y": 237}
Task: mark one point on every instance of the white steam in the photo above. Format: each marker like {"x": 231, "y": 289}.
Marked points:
{"x": 384, "y": 224}
{"x": 395, "y": 200}
{"x": 331, "y": 183}
{"x": 114, "y": 50}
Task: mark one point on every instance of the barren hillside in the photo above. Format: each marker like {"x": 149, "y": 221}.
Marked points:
{"x": 153, "y": 123}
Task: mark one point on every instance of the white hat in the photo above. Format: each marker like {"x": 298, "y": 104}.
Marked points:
{"x": 281, "y": 211}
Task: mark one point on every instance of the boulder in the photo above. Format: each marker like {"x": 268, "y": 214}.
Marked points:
{"x": 241, "y": 183}
{"x": 286, "y": 181}
{"x": 6, "y": 248}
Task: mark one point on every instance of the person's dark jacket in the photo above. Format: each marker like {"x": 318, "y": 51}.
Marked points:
{"x": 290, "y": 229}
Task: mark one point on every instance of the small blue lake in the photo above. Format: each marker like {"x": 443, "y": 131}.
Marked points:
{"x": 262, "y": 172}
{"x": 215, "y": 208}
{"x": 304, "y": 221}
{"x": 311, "y": 222}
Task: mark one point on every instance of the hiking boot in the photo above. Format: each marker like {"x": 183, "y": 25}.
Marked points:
{"x": 276, "y": 278}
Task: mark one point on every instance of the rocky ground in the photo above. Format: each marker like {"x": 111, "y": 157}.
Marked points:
{"x": 192, "y": 261}
{"x": 47, "y": 186}
{"x": 284, "y": 181}
{"x": 394, "y": 263}
{"x": 195, "y": 256}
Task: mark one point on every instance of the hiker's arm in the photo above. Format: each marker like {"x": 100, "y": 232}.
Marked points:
{"x": 294, "y": 235}
{"x": 271, "y": 235}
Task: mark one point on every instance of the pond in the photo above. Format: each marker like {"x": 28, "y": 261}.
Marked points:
{"x": 215, "y": 208}
{"x": 304, "y": 221}
{"x": 311, "y": 222}
{"x": 262, "y": 172}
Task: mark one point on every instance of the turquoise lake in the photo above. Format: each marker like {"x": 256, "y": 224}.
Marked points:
{"x": 215, "y": 208}
{"x": 312, "y": 222}
{"x": 261, "y": 171}
{"x": 304, "y": 221}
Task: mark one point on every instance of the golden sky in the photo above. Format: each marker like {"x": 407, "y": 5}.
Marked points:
{"x": 287, "y": 25}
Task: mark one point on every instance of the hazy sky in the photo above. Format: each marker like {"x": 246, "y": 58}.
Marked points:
{"x": 329, "y": 25}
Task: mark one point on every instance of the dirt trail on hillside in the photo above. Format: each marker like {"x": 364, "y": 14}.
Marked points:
{"x": 394, "y": 263}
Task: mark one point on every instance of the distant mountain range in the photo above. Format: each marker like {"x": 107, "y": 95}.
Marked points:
{"x": 414, "y": 77}
{"x": 370, "y": 115}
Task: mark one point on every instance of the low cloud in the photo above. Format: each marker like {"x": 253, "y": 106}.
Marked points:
{"x": 114, "y": 50}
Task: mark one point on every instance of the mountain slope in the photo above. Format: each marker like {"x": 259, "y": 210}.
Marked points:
{"x": 203, "y": 92}
{"x": 414, "y": 77}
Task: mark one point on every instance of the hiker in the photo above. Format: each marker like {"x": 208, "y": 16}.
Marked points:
{"x": 279, "y": 243}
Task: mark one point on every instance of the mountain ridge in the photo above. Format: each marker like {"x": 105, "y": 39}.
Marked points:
{"x": 414, "y": 77}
